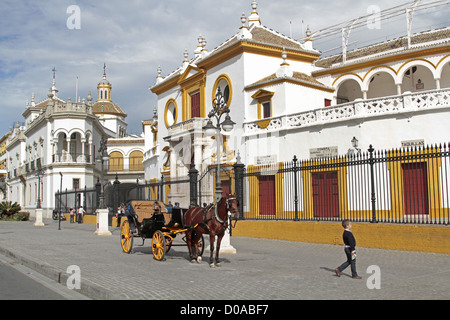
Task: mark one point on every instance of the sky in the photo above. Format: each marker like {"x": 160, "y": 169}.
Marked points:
{"x": 134, "y": 37}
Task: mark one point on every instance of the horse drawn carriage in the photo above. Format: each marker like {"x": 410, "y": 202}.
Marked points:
{"x": 152, "y": 219}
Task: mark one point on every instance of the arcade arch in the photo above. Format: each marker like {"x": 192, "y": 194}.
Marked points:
{"x": 417, "y": 77}
{"x": 444, "y": 73}
{"x": 413, "y": 76}
{"x": 381, "y": 84}
{"x": 348, "y": 90}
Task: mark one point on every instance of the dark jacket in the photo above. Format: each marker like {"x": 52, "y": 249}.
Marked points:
{"x": 349, "y": 239}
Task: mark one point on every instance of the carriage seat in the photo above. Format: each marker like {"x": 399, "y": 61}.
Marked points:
{"x": 177, "y": 218}
{"x": 145, "y": 210}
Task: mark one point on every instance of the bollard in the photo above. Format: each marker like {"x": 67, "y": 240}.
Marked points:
{"x": 39, "y": 222}
{"x": 102, "y": 223}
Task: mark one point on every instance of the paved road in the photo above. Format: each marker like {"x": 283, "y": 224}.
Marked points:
{"x": 260, "y": 270}
{"x": 18, "y": 282}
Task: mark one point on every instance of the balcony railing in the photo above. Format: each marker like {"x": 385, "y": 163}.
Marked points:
{"x": 71, "y": 158}
{"x": 408, "y": 102}
{"x": 191, "y": 124}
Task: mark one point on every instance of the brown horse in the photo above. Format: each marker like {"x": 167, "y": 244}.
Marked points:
{"x": 212, "y": 220}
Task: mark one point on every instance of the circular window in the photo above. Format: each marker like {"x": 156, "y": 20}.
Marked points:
{"x": 170, "y": 114}
{"x": 224, "y": 83}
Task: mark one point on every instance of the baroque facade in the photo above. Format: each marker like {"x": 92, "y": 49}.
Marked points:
{"x": 286, "y": 100}
{"x": 57, "y": 148}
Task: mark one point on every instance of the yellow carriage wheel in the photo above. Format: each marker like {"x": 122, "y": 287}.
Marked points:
{"x": 200, "y": 246}
{"x": 126, "y": 238}
{"x": 158, "y": 245}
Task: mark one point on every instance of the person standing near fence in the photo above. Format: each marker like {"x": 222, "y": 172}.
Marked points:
{"x": 72, "y": 215}
{"x": 350, "y": 250}
{"x": 81, "y": 213}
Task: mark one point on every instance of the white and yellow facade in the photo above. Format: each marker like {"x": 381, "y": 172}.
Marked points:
{"x": 287, "y": 100}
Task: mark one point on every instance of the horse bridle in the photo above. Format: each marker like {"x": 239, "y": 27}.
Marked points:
{"x": 229, "y": 206}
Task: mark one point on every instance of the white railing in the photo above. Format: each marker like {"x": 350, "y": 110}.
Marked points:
{"x": 407, "y": 102}
{"x": 191, "y": 124}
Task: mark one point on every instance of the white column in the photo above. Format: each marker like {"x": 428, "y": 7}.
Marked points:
{"x": 438, "y": 84}
{"x": 225, "y": 245}
{"x": 364, "y": 92}
{"x": 102, "y": 223}
{"x": 39, "y": 222}
{"x": 399, "y": 89}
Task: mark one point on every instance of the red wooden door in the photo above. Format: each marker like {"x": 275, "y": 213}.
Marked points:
{"x": 415, "y": 188}
{"x": 267, "y": 195}
{"x": 325, "y": 194}
{"x": 195, "y": 105}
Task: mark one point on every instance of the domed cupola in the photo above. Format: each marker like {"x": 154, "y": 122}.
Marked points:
{"x": 104, "y": 88}
{"x": 104, "y": 104}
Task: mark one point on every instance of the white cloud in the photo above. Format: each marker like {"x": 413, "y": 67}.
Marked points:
{"x": 134, "y": 37}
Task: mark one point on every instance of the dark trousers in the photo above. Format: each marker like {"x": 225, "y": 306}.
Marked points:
{"x": 349, "y": 262}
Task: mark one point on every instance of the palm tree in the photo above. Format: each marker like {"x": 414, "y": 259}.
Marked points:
{"x": 7, "y": 208}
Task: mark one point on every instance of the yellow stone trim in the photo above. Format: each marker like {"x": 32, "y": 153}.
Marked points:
{"x": 329, "y": 166}
{"x": 255, "y": 48}
{"x": 263, "y": 124}
{"x": 433, "y": 181}
{"x": 347, "y": 74}
{"x": 254, "y": 188}
{"x": 415, "y": 55}
{"x": 369, "y": 235}
{"x": 166, "y": 110}
{"x": 230, "y": 87}
{"x": 263, "y": 96}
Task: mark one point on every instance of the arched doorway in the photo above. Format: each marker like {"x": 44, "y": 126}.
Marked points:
{"x": 115, "y": 161}
{"x": 445, "y": 76}
{"x": 136, "y": 161}
{"x": 381, "y": 84}
{"x": 418, "y": 78}
{"x": 349, "y": 90}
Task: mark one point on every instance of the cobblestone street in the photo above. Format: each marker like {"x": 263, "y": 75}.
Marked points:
{"x": 260, "y": 270}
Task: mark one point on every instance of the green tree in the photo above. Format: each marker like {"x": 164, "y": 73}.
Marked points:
{"x": 8, "y": 209}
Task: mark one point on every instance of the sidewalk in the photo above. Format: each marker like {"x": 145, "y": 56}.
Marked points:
{"x": 260, "y": 270}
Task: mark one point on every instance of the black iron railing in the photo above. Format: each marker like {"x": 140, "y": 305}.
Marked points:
{"x": 408, "y": 185}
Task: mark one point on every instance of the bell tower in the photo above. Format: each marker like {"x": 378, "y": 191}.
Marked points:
{"x": 104, "y": 88}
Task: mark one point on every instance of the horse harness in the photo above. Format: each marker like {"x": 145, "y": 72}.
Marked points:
{"x": 216, "y": 215}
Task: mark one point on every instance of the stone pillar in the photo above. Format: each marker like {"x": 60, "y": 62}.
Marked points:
{"x": 39, "y": 222}
{"x": 225, "y": 245}
{"x": 102, "y": 223}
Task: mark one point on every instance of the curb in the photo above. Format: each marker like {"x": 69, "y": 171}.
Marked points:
{"x": 90, "y": 290}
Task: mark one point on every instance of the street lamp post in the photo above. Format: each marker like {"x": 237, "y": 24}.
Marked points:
{"x": 39, "y": 223}
{"x": 103, "y": 158}
{"x": 40, "y": 173}
{"x": 102, "y": 211}
{"x": 219, "y": 108}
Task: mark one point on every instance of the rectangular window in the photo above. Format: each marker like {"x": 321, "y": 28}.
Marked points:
{"x": 327, "y": 102}
{"x": 195, "y": 105}
{"x": 76, "y": 183}
{"x": 266, "y": 110}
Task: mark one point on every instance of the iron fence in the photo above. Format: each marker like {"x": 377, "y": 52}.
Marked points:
{"x": 88, "y": 198}
{"x": 408, "y": 185}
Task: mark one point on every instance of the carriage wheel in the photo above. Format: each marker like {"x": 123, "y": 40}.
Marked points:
{"x": 126, "y": 238}
{"x": 168, "y": 243}
{"x": 158, "y": 245}
{"x": 200, "y": 246}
